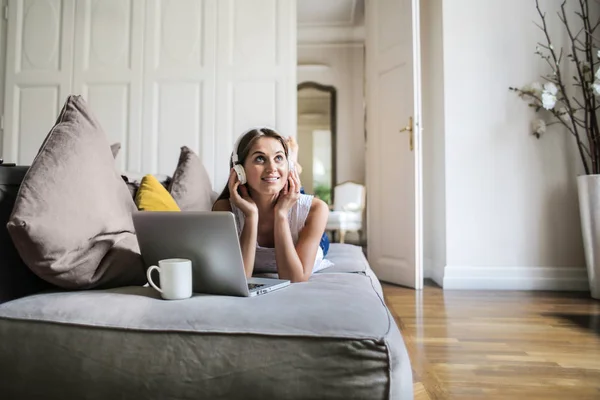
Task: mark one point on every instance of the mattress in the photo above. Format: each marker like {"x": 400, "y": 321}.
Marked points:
{"x": 329, "y": 338}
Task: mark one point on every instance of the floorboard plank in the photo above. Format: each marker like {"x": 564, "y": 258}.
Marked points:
{"x": 499, "y": 344}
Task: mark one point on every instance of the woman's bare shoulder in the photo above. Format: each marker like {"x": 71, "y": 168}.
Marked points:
{"x": 222, "y": 205}
{"x": 319, "y": 206}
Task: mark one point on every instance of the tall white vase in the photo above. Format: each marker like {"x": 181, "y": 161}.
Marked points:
{"x": 588, "y": 187}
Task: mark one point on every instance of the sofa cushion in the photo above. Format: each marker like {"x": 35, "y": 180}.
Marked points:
{"x": 330, "y": 338}
{"x": 16, "y": 280}
{"x": 71, "y": 222}
{"x": 115, "y": 147}
{"x": 152, "y": 196}
{"x": 346, "y": 258}
{"x": 191, "y": 187}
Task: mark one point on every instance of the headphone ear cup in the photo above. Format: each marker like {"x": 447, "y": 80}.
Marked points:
{"x": 241, "y": 173}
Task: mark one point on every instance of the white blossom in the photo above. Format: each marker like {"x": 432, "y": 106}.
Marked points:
{"x": 598, "y": 73}
{"x": 536, "y": 87}
{"x": 551, "y": 88}
{"x": 539, "y": 127}
{"x": 548, "y": 100}
{"x": 598, "y": 53}
{"x": 596, "y": 86}
{"x": 532, "y": 92}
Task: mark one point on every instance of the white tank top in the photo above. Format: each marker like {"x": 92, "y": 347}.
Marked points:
{"x": 264, "y": 261}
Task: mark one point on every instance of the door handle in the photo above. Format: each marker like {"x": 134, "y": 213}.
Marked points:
{"x": 409, "y": 128}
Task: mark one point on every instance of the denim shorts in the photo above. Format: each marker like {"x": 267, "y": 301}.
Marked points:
{"x": 324, "y": 244}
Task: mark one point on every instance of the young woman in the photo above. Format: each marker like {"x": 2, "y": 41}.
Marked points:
{"x": 280, "y": 228}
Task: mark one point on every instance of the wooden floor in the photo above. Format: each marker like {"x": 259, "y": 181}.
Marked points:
{"x": 500, "y": 345}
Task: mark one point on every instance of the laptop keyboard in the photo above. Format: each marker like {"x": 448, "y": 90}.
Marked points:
{"x": 255, "y": 285}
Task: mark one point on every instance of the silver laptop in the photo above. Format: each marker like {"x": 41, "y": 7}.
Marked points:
{"x": 209, "y": 239}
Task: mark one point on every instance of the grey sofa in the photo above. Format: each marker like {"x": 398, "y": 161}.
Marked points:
{"x": 329, "y": 338}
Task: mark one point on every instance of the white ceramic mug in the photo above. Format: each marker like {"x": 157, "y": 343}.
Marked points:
{"x": 175, "y": 278}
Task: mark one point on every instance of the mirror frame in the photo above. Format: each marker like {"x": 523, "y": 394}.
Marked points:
{"x": 333, "y": 125}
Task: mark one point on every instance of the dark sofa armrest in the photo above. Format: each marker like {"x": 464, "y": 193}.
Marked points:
{"x": 16, "y": 279}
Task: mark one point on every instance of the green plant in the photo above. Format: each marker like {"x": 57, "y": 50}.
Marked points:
{"x": 323, "y": 192}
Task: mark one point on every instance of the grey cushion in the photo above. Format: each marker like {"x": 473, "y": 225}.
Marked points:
{"x": 331, "y": 337}
{"x": 191, "y": 187}
{"x": 347, "y": 258}
{"x": 16, "y": 280}
{"x": 71, "y": 222}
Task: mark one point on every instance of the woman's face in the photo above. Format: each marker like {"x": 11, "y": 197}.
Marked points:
{"x": 266, "y": 166}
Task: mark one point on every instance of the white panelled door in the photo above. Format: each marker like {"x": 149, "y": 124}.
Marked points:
{"x": 179, "y": 83}
{"x": 60, "y": 47}
{"x": 107, "y": 70}
{"x": 39, "y": 70}
{"x": 393, "y": 142}
{"x": 158, "y": 74}
{"x": 256, "y": 80}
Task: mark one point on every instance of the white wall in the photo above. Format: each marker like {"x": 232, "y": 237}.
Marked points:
{"x": 345, "y": 73}
{"x": 434, "y": 197}
{"x": 305, "y": 157}
{"x": 511, "y": 201}
{"x": 322, "y": 153}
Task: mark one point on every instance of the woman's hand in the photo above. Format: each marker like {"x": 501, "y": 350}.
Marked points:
{"x": 243, "y": 202}
{"x": 289, "y": 195}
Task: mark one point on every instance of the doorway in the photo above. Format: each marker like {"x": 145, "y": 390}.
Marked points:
{"x": 394, "y": 126}
{"x": 317, "y": 138}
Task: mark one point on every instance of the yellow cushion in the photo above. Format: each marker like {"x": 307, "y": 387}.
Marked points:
{"x": 152, "y": 196}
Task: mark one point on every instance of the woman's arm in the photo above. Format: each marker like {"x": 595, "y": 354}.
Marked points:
{"x": 248, "y": 237}
{"x": 296, "y": 263}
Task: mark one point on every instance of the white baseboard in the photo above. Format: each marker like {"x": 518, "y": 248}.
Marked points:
{"x": 437, "y": 276}
{"x": 431, "y": 271}
{"x": 515, "y": 278}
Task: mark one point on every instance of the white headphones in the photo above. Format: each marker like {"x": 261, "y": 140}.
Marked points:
{"x": 237, "y": 166}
